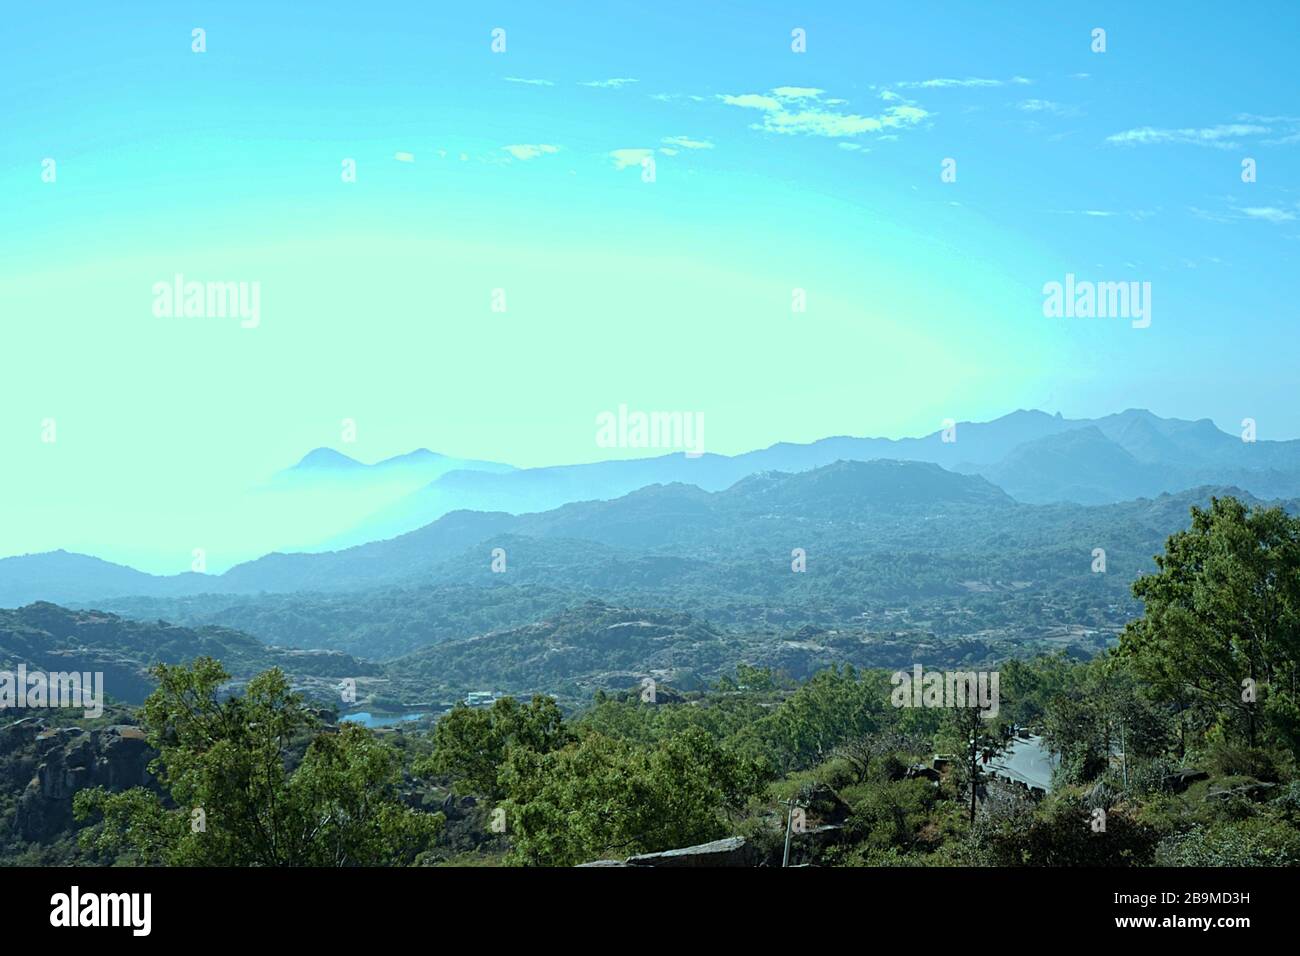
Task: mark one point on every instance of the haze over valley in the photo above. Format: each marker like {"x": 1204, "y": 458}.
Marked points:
{"x": 960, "y": 550}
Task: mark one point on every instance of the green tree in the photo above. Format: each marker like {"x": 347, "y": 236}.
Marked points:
{"x": 755, "y": 679}
{"x": 255, "y": 781}
{"x": 602, "y": 797}
{"x": 1032, "y": 684}
{"x": 831, "y": 707}
{"x": 978, "y": 739}
{"x": 1102, "y": 712}
{"x": 1222, "y": 616}
{"x": 471, "y": 744}
{"x": 862, "y": 753}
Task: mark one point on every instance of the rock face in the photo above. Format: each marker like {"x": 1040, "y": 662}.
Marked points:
{"x": 57, "y": 762}
{"x": 733, "y": 851}
{"x": 1180, "y": 780}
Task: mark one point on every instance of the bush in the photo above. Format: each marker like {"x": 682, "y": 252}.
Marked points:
{"x": 1236, "y": 760}
{"x": 1254, "y": 842}
{"x": 890, "y": 813}
{"x": 1064, "y": 831}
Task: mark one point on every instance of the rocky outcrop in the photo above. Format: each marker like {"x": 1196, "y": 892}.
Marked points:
{"x": 1180, "y": 780}
{"x": 732, "y": 851}
{"x": 1254, "y": 790}
{"x": 58, "y": 762}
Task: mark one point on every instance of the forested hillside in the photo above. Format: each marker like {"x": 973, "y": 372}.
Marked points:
{"x": 889, "y": 546}
{"x": 1177, "y": 746}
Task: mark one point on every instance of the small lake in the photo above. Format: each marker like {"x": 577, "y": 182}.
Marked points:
{"x": 367, "y": 719}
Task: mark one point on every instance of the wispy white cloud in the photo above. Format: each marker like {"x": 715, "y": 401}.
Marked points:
{"x": 1135, "y": 214}
{"x": 793, "y": 110}
{"x": 669, "y": 97}
{"x": 404, "y": 157}
{"x": 1285, "y": 130}
{"x": 1208, "y": 215}
{"x": 1256, "y": 118}
{"x": 623, "y": 158}
{"x": 614, "y": 83}
{"x": 797, "y": 92}
{"x": 1041, "y": 107}
{"x": 530, "y": 150}
{"x": 1240, "y": 214}
{"x": 1268, "y": 213}
{"x": 948, "y": 82}
{"x": 520, "y": 79}
{"x": 754, "y": 101}
{"x": 685, "y": 142}
{"x": 1223, "y": 136}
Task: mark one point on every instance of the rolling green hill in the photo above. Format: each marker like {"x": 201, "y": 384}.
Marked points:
{"x": 52, "y": 638}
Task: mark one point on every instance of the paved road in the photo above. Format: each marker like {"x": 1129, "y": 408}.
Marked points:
{"x": 1028, "y": 761}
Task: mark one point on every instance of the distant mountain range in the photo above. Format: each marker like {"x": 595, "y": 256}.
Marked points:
{"x": 663, "y": 502}
{"x": 652, "y": 517}
{"x": 871, "y": 520}
{"x": 899, "y": 553}
{"x": 1033, "y": 456}
{"x": 334, "y": 465}
{"x": 903, "y": 562}
{"x": 912, "y": 550}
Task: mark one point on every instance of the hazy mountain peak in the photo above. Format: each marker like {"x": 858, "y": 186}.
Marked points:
{"x": 411, "y": 457}
{"x": 879, "y": 482}
{"x": 1025, "y": 415}
{"x": 327, "y": 458}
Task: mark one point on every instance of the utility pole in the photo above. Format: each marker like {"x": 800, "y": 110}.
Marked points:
{"x": 789, "y": 826}
{"x": 1123, "y": 753}
{"x": 974, "y": 773}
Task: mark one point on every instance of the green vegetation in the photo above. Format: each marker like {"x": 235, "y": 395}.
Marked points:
{"x": 899, "y": 552}
{"x": 47, "y": 636}
{"x": 1161, "y": 758}
{"x": 1178, "y": 746}
{"x": 252, "y": 781}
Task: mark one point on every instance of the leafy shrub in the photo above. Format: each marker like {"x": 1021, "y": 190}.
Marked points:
{"x": 1257, "y": 841}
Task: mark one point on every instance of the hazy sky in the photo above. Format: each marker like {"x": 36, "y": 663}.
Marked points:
{"x": 522, "y": 171}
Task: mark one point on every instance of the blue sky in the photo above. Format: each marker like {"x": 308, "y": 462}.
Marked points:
{"x": 773, "y": 170}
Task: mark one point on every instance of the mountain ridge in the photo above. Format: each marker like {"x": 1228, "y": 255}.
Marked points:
{"x": 1190, "y": 453}
{"x": 1028, "y": 454}
{"x": 368, "y": 564}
